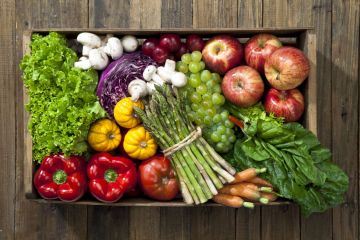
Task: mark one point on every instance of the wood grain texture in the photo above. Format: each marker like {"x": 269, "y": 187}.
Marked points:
{"x": 33, "y": 221}
{"x": 112, "y": 223}
{"x": 215, "y": 13}
{"x": 7, "y": 117}
{"x": 345, "y": 100}
{"x": 319, "y": 226}
{"x": 133, "y": 13}
{"x": 144, "y": 223}
{"x": 248, "y": 224}
{"x": 176, "y": 14}
{"x": 250, "y": 13}
{"x": 286, "y": 13}
{"x": 175, "y": 223}
{"x": 212, "y": 223}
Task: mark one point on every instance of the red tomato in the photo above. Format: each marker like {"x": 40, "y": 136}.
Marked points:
{"x": 157, "y": 178}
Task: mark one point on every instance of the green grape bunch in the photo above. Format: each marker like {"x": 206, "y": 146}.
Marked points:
{"x": 206, "y": 101}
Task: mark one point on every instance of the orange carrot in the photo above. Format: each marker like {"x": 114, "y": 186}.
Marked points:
{"x": 260, "y": 182}
{"x": 236, "y": 121}
{"x": 241, "y": 191}
{"x": 270, "y": 196}
{"x": 247, "y": 174}
{"x": 231, "y": 201}
{"x": 249, "y": 185}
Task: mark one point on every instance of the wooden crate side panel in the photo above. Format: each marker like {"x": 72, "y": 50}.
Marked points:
{"x": 345, "y": 104}
{"x": 7, "y": 119}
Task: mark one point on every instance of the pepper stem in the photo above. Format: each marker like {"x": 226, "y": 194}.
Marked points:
{"x": 110, "y": 175}
{"x": 59, "y": 177}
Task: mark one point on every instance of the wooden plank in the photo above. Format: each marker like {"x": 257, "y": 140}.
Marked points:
{"x": 319, "y": 226}
{"x": 176, "y": 14}
{"x": 133, "y": 14}
{"x": 215, "y": 13}
{"x": 31, "y": 219}
{"x": 280, "y": 222}
{"x": 102, "y": 226}
{"x": 144, "y": 223}
{"x": 345, "y": 100}
{"x": 7, "y": 116}
{"x": 282, "y": 13}
{"x": 250, "y": 13}
{"x": 212, "y": 223}
{"x": 175, "y": 223}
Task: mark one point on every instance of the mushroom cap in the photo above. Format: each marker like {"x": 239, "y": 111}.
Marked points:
{"x": 130, "y": 43}
{"x": 113, "y": 48}
{"x": 178, "y": 79}
{"x": 89, "y": 39}
{"x": 98, "y": 58}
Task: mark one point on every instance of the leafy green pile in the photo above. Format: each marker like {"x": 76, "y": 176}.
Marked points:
{"x": 62, "y": 102}
{"x": 298, "y": 165}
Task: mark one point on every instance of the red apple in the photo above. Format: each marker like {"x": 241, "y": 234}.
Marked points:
{"x": 242, "y": 86}
{"x": 221, "y": 53}
{"x": 182, "y": 50}
{"x": 286, "y": 68}
{"x": 149, "y": 46}
{"x": 195, "y": 43}
{"x": 171, "y": 42}
{"x": 288, "y": 104}
{"x": 160, "y": 54}
{"x": 259, "y": 48}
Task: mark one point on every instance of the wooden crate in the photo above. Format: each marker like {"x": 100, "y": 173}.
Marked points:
{"x": 303, "y": 38}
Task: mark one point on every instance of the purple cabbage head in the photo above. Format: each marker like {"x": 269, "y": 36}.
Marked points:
{"x": 116, "y": 77}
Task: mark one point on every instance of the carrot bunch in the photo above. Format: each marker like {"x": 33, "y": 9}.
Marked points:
{"x": 246, "y": 189}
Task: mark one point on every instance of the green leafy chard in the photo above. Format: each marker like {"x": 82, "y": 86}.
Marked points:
{"x": 63, "y": 102}
{"x": 297, "y": 164}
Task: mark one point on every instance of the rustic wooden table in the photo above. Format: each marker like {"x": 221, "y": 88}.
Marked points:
{"x": 337, "y": 27}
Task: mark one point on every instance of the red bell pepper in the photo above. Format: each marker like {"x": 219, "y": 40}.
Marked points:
{"x": 61, "y": 177}
{"x": 110, "y": 176}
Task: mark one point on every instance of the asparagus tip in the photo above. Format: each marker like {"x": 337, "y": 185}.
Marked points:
{"x": 248, "y": 205}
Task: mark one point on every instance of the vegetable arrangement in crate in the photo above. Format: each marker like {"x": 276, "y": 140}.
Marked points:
{"x": 202, "y": 119}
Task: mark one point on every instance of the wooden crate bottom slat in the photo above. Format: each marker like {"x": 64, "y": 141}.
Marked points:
{"x": 142, "y": 202}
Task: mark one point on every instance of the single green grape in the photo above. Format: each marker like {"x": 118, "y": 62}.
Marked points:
{"x": 201, "y": 89}
{"x": 207, "y": 120}
{"x": 224, "y": 115}
{"x": 206, "y": 75}
{"x": 195, "y": 106}
{"x": 195, "y": 97}
{"x": 228, "y": 131}
{"x": 216, "y": 88}
{"x": 194, "y": 67}
{"x": 202, "y": 64}
{"x": 210, "y": 84}
{"x": 232, "y": 138}
{"x": 198, "y": 121}
{"x": 201, "y": 112}
{"x": 216, "y": 98}
{"x": 224, "y": 138}
{"x": 206, "y": 96}
{"x": 215, "y": 137}
{"x": 194, "y": 80}
{"x": 186, "y": 58}
{"x": 216, "y": 77}
{"x": 217, "y": 118}
{"x": 222, "y": 100}
{"x": 182, "y": 67}
{"x": 196, "y": 56}
{"x": 207, "y": 104}
{"x": 192, "y": 115}
{"x": 211, "y": 112}
{"x": 220, "y": 146}
{"x": 221, "y": 129}
{"x": 228, "y": 124}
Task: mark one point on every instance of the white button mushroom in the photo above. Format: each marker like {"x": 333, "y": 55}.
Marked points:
{"x": 178, "y": 79}
{"x": 165, "y": 74}
{"x": 104, "y": 39}
{"x": 113, "y": 48}
{"x": 86, "y": 50}
{"x": 149, "y": 72}
{"x": 137, "y": 89}
{"x": 83, "y": 63}
{"x": 150, "y": 87}
{"x": 89, "y": 39}
{"x": 158, "y": 80}
{"x": 98, "y": 59}
{"x": 130, "y": 43}
{"x": 170, "y": 65}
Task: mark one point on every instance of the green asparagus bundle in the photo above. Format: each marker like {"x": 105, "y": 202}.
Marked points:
{"x": 200, "y": 170}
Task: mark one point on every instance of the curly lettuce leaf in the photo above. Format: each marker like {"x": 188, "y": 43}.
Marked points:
{"x": 63, "y": 102}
